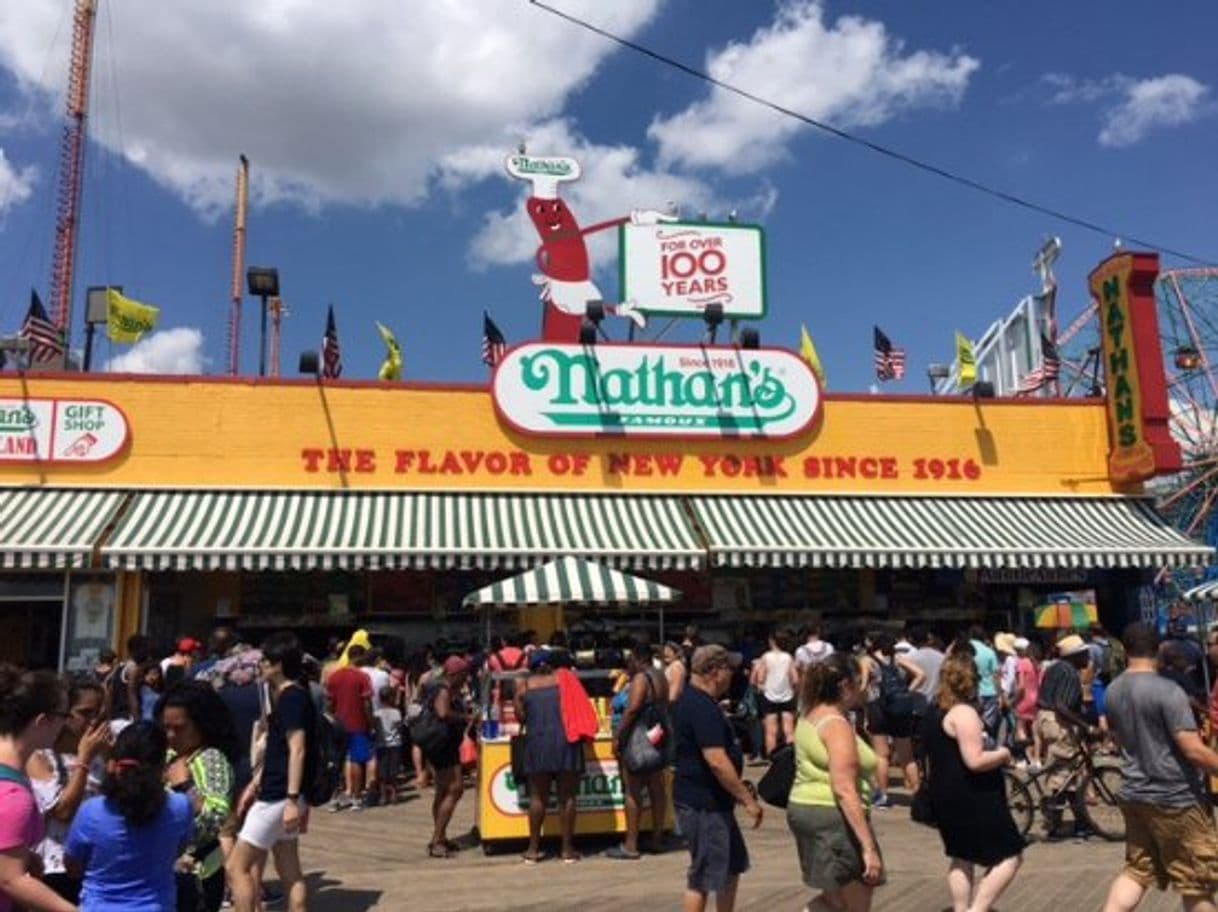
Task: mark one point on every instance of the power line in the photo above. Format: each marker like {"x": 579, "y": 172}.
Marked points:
{"x": 868, "y": 144}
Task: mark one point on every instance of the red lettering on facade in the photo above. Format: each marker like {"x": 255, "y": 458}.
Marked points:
{"x": 338, "y": 460}
{"x": 669, "y": 463}
{"x": 619, "y": 463}
{"x": 642, "y": 465}
{"x": 521, "y": 464}
{"x": 426, "y": 466}
{"x": 402, "y": 460}
{"x": 312, "y": 459}
{"x": 365, "y": 460}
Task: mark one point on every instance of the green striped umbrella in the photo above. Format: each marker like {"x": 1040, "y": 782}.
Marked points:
{"x": 571, "y": 580}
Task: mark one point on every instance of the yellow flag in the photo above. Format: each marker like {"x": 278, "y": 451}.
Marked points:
{"x": 392, "y": 368}
{"x": 128, "y": 320}
{"x": 808, "y": 351}
{"x": 967, "y": 361}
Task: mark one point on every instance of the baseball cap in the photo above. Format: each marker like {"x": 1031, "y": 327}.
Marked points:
{"x": 189, "y": 644}
{"x": 708, "y": 658}
{"x": 1022, "y": 643}
{"x": 540, "y": 657}
{"x": 455, "y": 665}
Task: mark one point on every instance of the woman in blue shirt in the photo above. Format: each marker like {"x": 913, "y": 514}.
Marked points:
{"x": 126, "y": 840}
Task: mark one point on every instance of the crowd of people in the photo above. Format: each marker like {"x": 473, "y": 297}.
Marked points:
{"x": 168, "y": 783}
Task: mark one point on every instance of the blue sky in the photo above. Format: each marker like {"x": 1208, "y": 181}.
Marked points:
{"x": 376, "y": 133}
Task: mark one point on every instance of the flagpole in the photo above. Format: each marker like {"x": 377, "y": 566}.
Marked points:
{"x": 90, "y": 329}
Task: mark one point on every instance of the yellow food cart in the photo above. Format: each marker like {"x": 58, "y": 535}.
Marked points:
{"x": 501, "y": 803}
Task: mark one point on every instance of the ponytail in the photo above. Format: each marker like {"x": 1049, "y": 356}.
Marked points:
{"x": 134, "y": 778}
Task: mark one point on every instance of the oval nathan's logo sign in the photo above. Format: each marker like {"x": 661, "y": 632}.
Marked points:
{"x": 655, "y": 391}
{"x": 61, "y": 430}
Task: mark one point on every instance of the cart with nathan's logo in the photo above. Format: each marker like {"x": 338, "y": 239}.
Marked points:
{"x": 501, "y": 802}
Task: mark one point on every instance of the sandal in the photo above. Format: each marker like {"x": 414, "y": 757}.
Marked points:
{"x": 620, "y": 853}
{"x": 572, "y": 859}
{"x": 438, "y": 851}
{"x": 534, "y": 859}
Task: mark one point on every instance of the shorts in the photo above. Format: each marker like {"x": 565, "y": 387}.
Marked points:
{"x": 767, "y": 707}
{"x": 388, "y": 763}
{"x": 886, "y": 724}
{"x": 359, "y": 747}
{"x": 829, "y": 853}
{"x": 448, "y": 755}
{"x": 717, "y": 852}
{"x": 1170, "y": 845}
{"x": 263, "y": 827}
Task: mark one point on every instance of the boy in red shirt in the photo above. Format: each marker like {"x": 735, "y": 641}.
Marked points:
{"x": 349, "y": 693}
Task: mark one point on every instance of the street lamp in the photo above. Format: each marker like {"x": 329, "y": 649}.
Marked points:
{"x": 263, "y": 282}
{"x": 936, "y": 374}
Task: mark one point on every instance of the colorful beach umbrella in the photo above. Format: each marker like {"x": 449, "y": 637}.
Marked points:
{"x": 1066, "y": 613}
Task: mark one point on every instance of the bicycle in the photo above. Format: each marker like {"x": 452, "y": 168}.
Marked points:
{"x": 1089, "y": 789}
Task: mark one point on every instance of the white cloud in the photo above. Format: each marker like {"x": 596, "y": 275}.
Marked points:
{"x": 16, "y": 184}
{"x": 169, "y": 351}
{"x": 614, "y": 182}
{"x": 1135, "y": 107}
{"x": 1165, "y": 101}
{"x": 332, "y": 102}
{"x": 851, "y": 73}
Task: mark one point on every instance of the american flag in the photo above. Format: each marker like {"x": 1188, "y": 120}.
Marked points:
{"x": 889, "y": 361}
{"x": 331, "y": 354}
{"x": 1049, "y": 370}
{"x": 493, "y": 344}
{"x": 45, "y": 338}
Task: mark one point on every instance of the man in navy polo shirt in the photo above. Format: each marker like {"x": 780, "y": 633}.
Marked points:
{"x": 707, "y": 785}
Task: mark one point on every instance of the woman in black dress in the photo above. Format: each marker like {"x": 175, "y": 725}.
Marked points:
{"x": 967, "y": 791}
{"x": 549, "y": 757}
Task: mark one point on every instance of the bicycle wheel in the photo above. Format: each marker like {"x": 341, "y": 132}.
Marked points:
{"x": 1020, "y": 802}
{"x": 1096, "y": 802}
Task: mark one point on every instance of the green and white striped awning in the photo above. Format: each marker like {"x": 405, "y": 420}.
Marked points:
{"x": 941, "y": 532}
{"x": 246, "y": 530}
{"x": 45, "y": 528}
{"x": 570, "y": 580}
{"x": 1204, "y": 592}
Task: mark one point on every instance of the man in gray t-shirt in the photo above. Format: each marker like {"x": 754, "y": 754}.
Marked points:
{"x": 1145, "y": 711}
{"x": 927, "y": 658}
{"x": 1169, "y": 833}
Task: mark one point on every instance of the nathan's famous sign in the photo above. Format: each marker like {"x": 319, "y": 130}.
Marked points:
{"x": 1141, "y": 441}
{"x": 655, "y": 391}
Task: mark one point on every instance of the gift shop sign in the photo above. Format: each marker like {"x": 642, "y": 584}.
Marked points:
{"x": 655, "y": 391}
{"x": 678, "y": 268}
{"x": 1139, "y": 433}
{"x": 60, "y": 430}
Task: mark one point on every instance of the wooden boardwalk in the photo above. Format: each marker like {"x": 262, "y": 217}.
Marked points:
{"x": 376, "y": 859}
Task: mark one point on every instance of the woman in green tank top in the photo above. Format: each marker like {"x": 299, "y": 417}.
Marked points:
{"x": 829, "y": 803}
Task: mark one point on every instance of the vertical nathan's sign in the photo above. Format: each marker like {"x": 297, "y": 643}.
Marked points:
{"x": 1138, "y": 413}
{"x": 679, "y": 268}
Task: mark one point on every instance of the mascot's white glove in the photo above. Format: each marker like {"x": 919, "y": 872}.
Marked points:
{"x": 650, "y": 217}
{"x": 629, "y": 309}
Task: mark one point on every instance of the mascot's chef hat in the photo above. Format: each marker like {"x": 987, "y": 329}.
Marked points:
{"x": 545, "y": 172}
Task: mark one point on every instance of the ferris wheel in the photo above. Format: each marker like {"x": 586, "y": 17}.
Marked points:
{"x": 1187, "y": 301}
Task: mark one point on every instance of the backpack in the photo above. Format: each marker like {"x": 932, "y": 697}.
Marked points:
{"x": 327, "y": 754}
{"x": 515, "y": 666}
{"x": 1112, "y": 660}
{"x": 895, "y": 695}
